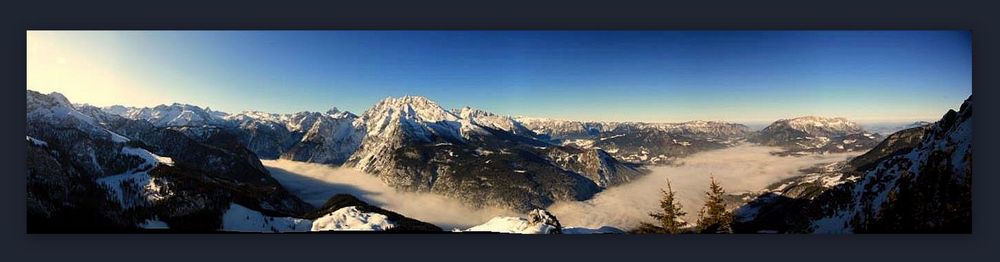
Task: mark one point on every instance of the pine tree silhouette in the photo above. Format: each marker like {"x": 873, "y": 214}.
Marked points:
{"x": 671, "y": 212}
{"x": 713, "y": 217}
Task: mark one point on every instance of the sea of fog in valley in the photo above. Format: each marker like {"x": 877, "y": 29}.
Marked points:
{"x": 315, "y": 183}
{"x": 738, "y": 169}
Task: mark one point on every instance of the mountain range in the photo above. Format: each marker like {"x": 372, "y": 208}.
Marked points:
{"x": 190, "y": 167}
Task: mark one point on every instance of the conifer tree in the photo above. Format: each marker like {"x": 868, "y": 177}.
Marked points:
{"x": 713, "y": 217}
{"x": 670, "y": 212}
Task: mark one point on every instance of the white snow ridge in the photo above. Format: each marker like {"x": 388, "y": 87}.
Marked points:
{"x": 241, "y": 219}
{"x": 350, "y": 218}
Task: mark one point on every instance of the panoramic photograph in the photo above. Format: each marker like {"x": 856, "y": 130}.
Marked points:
{"x": 499, "y": 132}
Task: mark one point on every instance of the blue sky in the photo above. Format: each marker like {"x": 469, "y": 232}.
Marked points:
{"x": 658, "y": 76}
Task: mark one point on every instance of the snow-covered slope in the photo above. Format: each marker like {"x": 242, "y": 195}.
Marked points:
{"x": 352, "y": 219}
{"x": 925, "y": 190}
{"x": 55, "y": 109}
{"x": 538, "y": 222}
{"x": 145, "y": 190}
{"x": 238, "y": 218}
{"x": 917, "y": 180}
{"x": 241, "y": 219}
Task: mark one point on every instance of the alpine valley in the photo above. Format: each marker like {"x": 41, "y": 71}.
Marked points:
{"x": 185, "y": 168}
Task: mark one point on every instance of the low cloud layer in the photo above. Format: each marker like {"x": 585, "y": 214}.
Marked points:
{"x": 738, "y": 169}
{"x": 315, "y": 183}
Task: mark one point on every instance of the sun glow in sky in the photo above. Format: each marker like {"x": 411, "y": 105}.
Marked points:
{"x": 656, "y": 76}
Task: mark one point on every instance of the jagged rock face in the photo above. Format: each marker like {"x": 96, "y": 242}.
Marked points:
{"x": 594, "y": 164}
{"x": 88, "y": 170}
{"x": 813, "y": 134}
{"x": 413, "y": 144}
{"x": 540, "y": 216}
{"x": 327, "y": 138}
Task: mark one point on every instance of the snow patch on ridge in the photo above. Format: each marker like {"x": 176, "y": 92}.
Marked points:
{"x": 36, "y": 142}
{"x": 241, "y": 219}
{"x": 512, "y": 225}
{"x": 150, "y": 189}
{"x": 352, "y": 219}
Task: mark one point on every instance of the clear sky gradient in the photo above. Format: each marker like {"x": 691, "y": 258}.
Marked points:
{"x": 656, "y": 76}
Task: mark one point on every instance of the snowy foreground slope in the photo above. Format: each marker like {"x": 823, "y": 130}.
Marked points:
{"x": 917, "y": 180}
{"x": 242, "y": 219}
{"x": 927, "y": 189}
{"x": 538, "y": 222}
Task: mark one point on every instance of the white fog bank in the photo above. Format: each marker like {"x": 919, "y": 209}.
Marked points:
{"x": 738, "y": 169}
{"x": 316, "y": 183}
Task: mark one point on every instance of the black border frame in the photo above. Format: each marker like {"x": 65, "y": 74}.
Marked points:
{"x": 980, "y": 18}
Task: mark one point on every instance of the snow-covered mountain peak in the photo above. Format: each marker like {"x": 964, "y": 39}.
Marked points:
{"x": 822, "y": 121}
{"x": 60, "y": 99}
{"x": 337, "y": 113}
{"x": 491, "y": 120}
{"x": 55, "y": 108}
{"x": 407, "y": 108}
{"x": 419, "y": 101}
{"x": 467, "y": 112}
{"x": 808, "y": 124}
{"x": 417, "y": 107}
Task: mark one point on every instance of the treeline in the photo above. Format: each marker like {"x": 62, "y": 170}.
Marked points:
{"x": 713, "y": 218}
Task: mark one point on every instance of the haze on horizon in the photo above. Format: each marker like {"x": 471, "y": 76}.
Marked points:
{"x": 650, "y": 76}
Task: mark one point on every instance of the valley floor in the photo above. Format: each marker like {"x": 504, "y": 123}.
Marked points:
{"x": 740, "y": 169}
